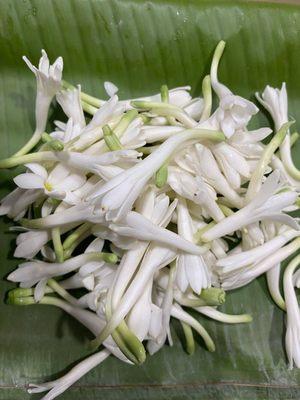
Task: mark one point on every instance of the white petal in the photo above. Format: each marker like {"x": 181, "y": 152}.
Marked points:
{"x": 37, "y": 169}
{"x": 29, "y": 181}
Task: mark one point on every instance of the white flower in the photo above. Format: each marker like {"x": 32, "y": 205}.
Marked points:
{"x": 246, "y": 275}
{"x": 257, "y": 254}
{"x": 196, "y": 190}
{"x": 30, "y": 243}
{"x": 155, "y": 258}
{"x": 48, "y": 78}
{"x": 248, "y": 143}
{"x": 234, "y": 112}
{"x": 137, "y": 226}
{"x": 276, "y": 102}
{"x": 191, "y": 269}
{"x": 205, "y": 165}
{"x": 66, "y": 132}
{"x": 232, "y": 163}
{"x": 292, "y": 337}
{"x": 58, "y": 184}
{"x": 34, "y": 271}
{"x": 90, "y": 134}
{"x": 117, "y": 196}
{"x": 16, "y": 203}
{"x": 158, "y": 133}
{"x": 265, "y": 205}
{"x": 62, "y": 384}
{"x": 71, "y": 105}
{"x": 95, "y": 163}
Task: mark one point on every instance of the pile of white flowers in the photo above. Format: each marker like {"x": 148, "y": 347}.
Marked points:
{"x": 152, "y": 206}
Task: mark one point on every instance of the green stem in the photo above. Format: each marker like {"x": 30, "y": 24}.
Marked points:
{"x": 88, "y": 108}
{"x": 207, "y": 98}
{"x": 161, "y": 176}
{"x": 58, "y": 248}
{"x": 94, "y": 101}
{"x": 201, "y": 231}
{"x": 68, "y": 242}
{"x": 189, "y": 338}
{"x": 111, "y": 139}
{"x": 69, "y": 251}
{"x": 53, "y": 284}
{"x": 54, "y": 144}
{"x": 125, "y": 121}
{"x": 28, "y": 158}
{"x": 256, "y": 178}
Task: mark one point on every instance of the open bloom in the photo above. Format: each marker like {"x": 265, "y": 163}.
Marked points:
{"x": 265, "y": 205}
{"x": 234, "y": 112}
{"x": 191, "y": 269}
{"x": 58, "y": 184}
{"x": 292, "y": 337}
{"x": 117, "y": 196}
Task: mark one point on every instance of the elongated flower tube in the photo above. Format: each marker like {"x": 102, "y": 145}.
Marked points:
{"x": 276, "y": 103}
{"x": 37, "y": 270}
{"x": 255, "y": 270}
{"x": 117, "y": 196}
{"x": 232, "y": 163}
{"x": 166, "y": 110}
{"x": 292, "y": 337}
{"x": 191, "y": 269}
{"x": 206, "y": 166}
{"x": 244, "y": 258}
{"x": 273, "y": 282}
{"x": 60, "y": 385}
{"x": 156, "y": 257}
{"x": 265, "y": 205}
{"x": 213, "y": 313}
{"x": 48, "y": 79}
{"x": 234, "y": 111}
{"x": 178, "y": 313}
{"x": 260, "y": 170}
{"x": 136, "y": 226}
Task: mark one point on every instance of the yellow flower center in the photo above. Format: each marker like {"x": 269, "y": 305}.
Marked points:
{"x": 48, "y": 186}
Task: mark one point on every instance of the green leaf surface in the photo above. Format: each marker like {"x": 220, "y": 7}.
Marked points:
{"x": 140, "y": 45}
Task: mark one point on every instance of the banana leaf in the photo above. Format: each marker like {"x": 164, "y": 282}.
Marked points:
{"x": 140, "y": 45}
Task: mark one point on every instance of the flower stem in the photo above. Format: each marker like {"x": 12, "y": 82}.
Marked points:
{"x": 256, "y": 179}
{"x": 88, "y": 108}
{"x": 58, "y": 248}
{"x": 161, "y": 176}
{"x": 54, "y": 144}
{"x": 125, "y": 121}
{"x": 27, "y": 158}
{"x": 222, "y": 317}
{"x": 207, "y": 98}
{"x": 165, "y": 110}
{"x": 94, "y": 101}
{"x": 53, "y": 284}
{"x": 111, "y": 139}
{"x": 189, "y": 338}
{"x": 32, "y": 142}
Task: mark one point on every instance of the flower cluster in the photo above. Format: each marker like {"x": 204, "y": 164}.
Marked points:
{"x": 151, "y": 205}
